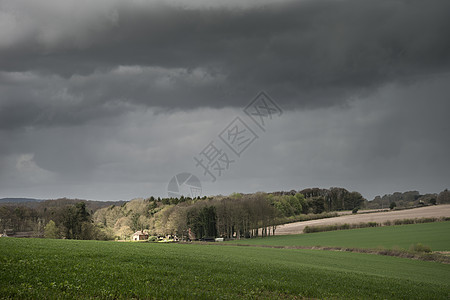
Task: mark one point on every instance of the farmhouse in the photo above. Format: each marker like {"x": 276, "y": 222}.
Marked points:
{"x": 140, "y": 236}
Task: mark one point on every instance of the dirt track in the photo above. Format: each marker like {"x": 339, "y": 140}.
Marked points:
{"x": 379, "y": 217}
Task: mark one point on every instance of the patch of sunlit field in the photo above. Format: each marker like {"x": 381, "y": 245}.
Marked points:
{"x": 435, "y": 235}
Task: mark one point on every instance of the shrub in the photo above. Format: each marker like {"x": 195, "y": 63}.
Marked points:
{"x": 307, "y": 229}
{"x": 426, "y": 220}
{"x": 393, "y": 205}
{"x": 420, "y": 248}
{"x": 322, "y": 228}
{"x": 153, "y": 238}
{"x": 355, "y": 210}
{"x": 51, "y": 231}
{"x": 398, "y": 222}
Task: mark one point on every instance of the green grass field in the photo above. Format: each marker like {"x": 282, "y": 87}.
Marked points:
{"x": 436, "y": 235}
{"x": 38, "y": 268}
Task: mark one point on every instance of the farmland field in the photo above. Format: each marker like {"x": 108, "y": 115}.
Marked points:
{"x": 436, "y": 235}
{"x": 434, "y": 211}
{"x": 38, "y": 268}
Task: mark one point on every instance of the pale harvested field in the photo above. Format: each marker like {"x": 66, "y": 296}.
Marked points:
{"x": 442, "y": 210}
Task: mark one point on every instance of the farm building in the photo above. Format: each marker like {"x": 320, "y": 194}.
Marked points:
{"x": 140, "y": 236}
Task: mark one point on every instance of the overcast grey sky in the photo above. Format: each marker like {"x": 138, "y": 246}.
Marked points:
{"x": 108, "y": 100}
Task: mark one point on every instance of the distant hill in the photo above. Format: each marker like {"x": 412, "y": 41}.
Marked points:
{"x": 47, "y": 203}
{"x": 19, "y": 200}
{"x": 91, "y": 205}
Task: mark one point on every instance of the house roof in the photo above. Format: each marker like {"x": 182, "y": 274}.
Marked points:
{"x": 140, "y": 233}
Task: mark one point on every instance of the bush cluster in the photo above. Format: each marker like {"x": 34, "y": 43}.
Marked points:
{"x": 322, "y": 228}
{"x": 153, "y": 238}
{"x": 414, "y": 221}
{"x": 420, "y": 248}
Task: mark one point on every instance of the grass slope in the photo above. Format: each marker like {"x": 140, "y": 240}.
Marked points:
{"x": 37, "y": 268}
{"x": 436, "y": 235}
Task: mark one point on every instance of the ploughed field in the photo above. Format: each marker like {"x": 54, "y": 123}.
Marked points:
{"x": 442, "y": 210}
{"x": 39, "y": 268}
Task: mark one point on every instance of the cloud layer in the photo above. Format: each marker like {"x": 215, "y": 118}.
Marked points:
{"x": 107, "y": 90}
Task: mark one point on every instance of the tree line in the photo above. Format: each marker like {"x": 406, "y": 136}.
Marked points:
{"x": 237, "y": 215}
{"x": 61, "y": 218}
{"x": 233, "y": 216}
{"x": 409, "y": 199}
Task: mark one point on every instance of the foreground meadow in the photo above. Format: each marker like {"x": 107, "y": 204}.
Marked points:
{"x": 37, "y": 268}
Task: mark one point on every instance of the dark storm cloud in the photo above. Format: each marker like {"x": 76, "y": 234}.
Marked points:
{"x": 308, "y": 53}
{"x": 108, "y": 99}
